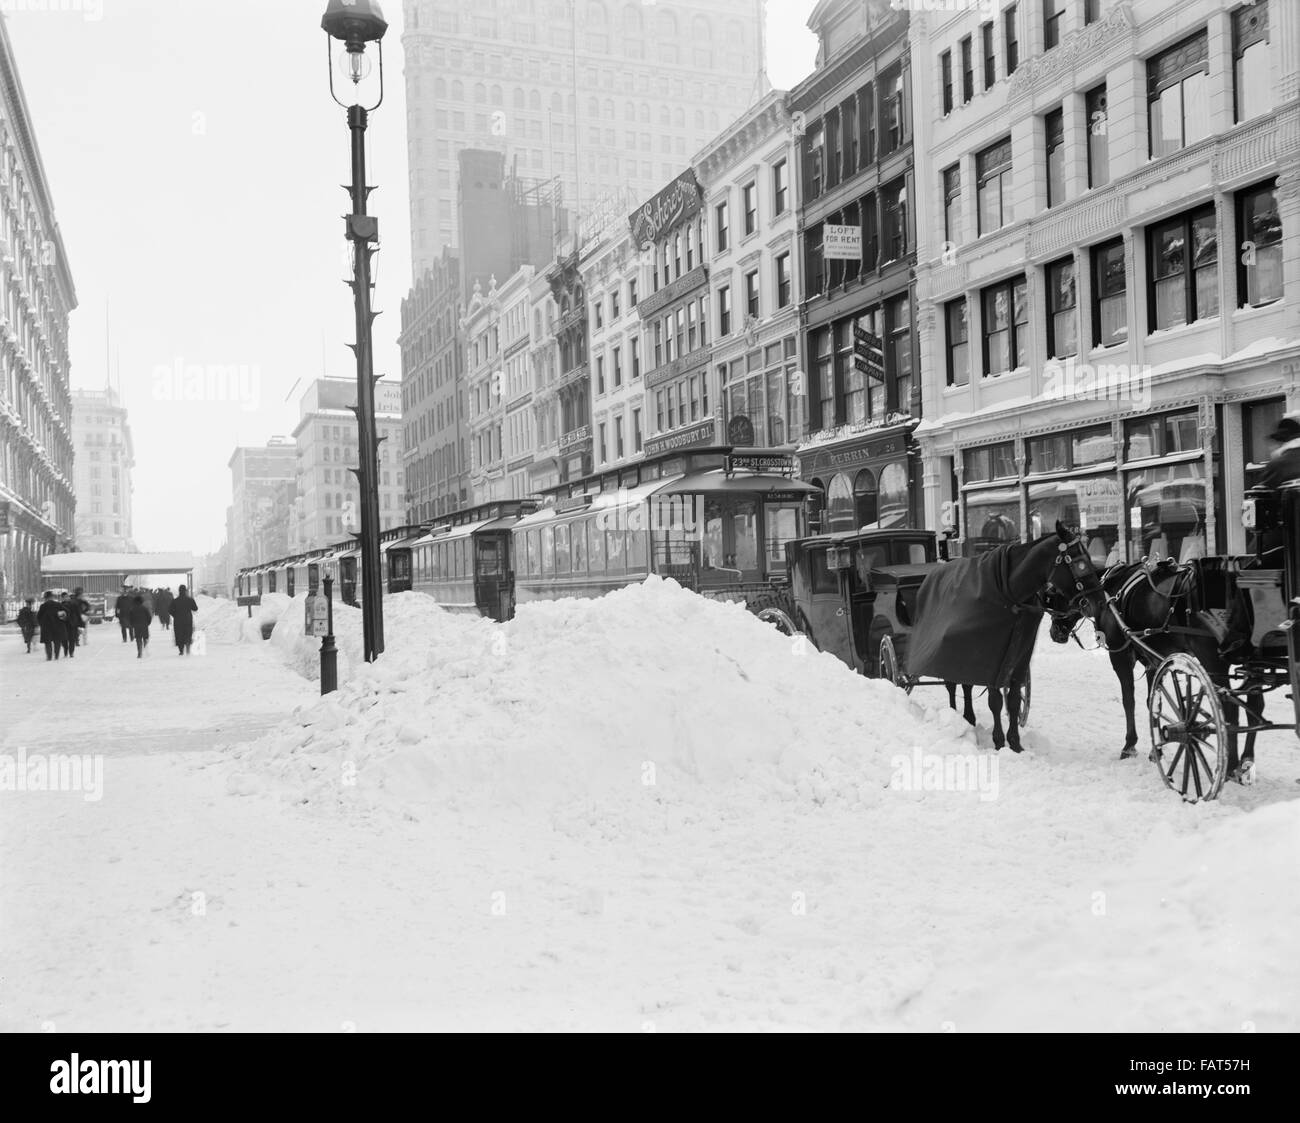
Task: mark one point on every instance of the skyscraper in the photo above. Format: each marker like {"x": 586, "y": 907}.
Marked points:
{"x": 611, "y": 106}
{"x": 105, "y": 455}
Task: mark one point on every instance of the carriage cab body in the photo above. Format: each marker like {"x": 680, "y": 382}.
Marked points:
{"x": 851, "y": 592}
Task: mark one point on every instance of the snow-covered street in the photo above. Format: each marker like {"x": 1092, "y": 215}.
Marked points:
{"x": 646, "y": 812}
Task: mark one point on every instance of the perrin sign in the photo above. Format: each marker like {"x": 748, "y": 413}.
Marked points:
{"x": 679, "y": 200}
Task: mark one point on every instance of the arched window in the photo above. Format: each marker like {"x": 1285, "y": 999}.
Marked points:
{"x": 609, "y": 110}
{"x": 593, "y": 107}
{"x": 440, "y": 88}
{"x": 893, "y": 495}
{"x": 557, "y": 104}
{"x": 629, "y": 111}
{"x": 519, "y": 97}
{"x": 480, "y": 93}
{"x": 864, "y": 497}
{"x": 839, "y": 504}
{"x": 665, "y": 116}
{"x": 633, "y": 25}
{"x": 679, "y": 118}
{"x": 535, "y": 100}
{"x": 699, "y": 118}
{"x": 701, "y": 30}
{"x": 496, "y": 96}
{"x": 596, "y": 16}
{"x": 457, "y": 90}
{"x": 666, "y": 26}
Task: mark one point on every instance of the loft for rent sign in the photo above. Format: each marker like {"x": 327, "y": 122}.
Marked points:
{"x": 841, "y": 243}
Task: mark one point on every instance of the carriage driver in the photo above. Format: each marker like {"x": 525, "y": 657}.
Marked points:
{"x": 1283, "y": 467}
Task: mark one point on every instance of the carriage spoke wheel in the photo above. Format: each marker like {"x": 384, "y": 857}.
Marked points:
{"x": 1189, "y": 742}
{"x": 891, "y": 669}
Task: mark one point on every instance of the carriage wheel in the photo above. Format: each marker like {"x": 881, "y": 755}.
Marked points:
{"x": 891, "y": 669}
{"x": 1189, "y": 742}
{"x": 1024, "y": 700}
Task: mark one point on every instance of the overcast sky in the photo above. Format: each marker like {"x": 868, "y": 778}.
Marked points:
{"x": 194, "y": 157}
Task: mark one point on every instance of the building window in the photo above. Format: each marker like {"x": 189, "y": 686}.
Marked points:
{"x": 1178, "y": 82}
{"x": 598, "y": 315}
{"x": 720, "y": 213}
{"x": 1259, "y": 263}
{"x": 618, "y": 367}
{"x": 814, "y": 160}
{"x": 634, "y": 345}
{"x": 993, "y": 186}
{"x": 892, "y": 126}
{"x": 1011, "y": 42}
{"x": 952, "y": 204}
{"x": 604, "y": 451}
{"x": 724, "y": 310}
{"x": 1053, "y": 18}
{"x": 783, "y": 280}
{"x": 618, "y": 438}
{"x": 967, "y": 71}
{"x": 1006, "y": 321}
{"x": 1062, "y": 301}
{"x": 867, "y": 124}
{"x": 751, "y": 293}
{"x": 631, "y": 293}
{"x": 1184, "y": 266}
{"x": 780, "y": 187}
{"x": 636, "y": 430}
{"x": 893, "y": 201}
{"x": 1098, "y": 152}
{"x": 750, "y": 198}
{"x": 990, "y": 60}
{"x": 1109, "y": 294}
{"x": 954, "y": 314}
{"x": 1252, "y": 85}
{"x": 898, "y": 357}
{"x": 600, "y": 374}
{"x": 1054, "y": 131}
{"x": 945, "y": 71}
{"x": 614, "y": 311}
{"x": 1091, "y": 11}
{"x": 825, "y": 374}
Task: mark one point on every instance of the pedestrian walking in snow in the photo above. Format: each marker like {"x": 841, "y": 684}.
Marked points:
{"x": 83, "y": 606}
{"x": 54, "y": 630}
{"x": 122, "y": 610}
{"x": 27, "y": 622}
{"x": 163, "y": 607}
{"x": 73, "y": 621}
{"x": 183, "y": 608}
{"x": 140, "y": 618}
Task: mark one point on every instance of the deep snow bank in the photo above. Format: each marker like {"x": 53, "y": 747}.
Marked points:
{"x": 223, "y": 621}
{"x": 651, "y": 695}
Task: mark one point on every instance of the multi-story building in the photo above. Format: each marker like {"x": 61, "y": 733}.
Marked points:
{"x": 573, "y": 386}
{"x": 499, "y": 386}
{"x": 611, "y": 273}
{"x": 504, "y": 222}
{"x": 37, "y": 502}
{"x": 1116, "y": 198}
{"x": 674, "y": 311}
{"x": 326, "y": 454}
{"x": 602, "y": 96}
{"x": 858, "y": 244}
{"x": 263, "y": 488}
{"x": 750, "y": 246}
{"x": 544, "y": 355}
{"x": 105, "y": 455}
{"x": 433, "y": 394}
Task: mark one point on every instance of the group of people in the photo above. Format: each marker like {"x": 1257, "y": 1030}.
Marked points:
{"x": 135, "y": 613}
{"x": 61, "y": 622}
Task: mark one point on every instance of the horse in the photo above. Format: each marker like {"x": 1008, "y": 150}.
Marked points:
{"x": 1053, "y": 574}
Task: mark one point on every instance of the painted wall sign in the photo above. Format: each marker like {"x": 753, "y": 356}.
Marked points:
{"x": 678, "y": 201}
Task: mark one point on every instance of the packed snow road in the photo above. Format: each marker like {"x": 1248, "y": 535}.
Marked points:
{"x": 648, "y": 812}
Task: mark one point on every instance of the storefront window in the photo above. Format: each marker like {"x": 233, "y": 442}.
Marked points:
{"x": 1258, "y": 419}
{"x": 1091, "y": 446}
{"x": 1049, "y": 454}
{"x": 839, "y": 503}
{"x": 864, "y": 497}
{"x": 993, "y": 462}
{"x": 993, "y": 517}
{"x": 1091, "y": 503}
{"x": 1166, "y": 512}
{"x": 1162, "y": 435}
{"x": 893, "y": 495}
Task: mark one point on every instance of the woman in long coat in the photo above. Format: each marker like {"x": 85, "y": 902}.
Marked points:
{"x": 183, "y": 608}
{"x": 54, "y": 626}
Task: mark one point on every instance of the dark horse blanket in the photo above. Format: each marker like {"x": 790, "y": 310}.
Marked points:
{"x": 966, "y": 628}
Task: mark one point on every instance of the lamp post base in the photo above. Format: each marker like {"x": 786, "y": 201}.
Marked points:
{"x": 329, "y": 666}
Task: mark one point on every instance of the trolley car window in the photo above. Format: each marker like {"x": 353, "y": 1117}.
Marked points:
{"x": 780, "y": 525}
{"x": 596, "y": 543}
{"x": 578, "y": 543}
{"x": 548, "y": 550}
{"x": 562, "y": 557}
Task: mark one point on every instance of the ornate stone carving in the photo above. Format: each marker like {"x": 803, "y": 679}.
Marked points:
{"x": 1080, "y": 44}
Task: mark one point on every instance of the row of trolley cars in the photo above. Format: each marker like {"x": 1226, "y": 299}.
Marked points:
{"x": 717, "y": 520}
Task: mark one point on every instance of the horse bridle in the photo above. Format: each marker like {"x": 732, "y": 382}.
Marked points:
{"x": 1082, "y": 575}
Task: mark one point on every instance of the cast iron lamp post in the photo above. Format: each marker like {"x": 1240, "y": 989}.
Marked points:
{"x": 356, "y": 23}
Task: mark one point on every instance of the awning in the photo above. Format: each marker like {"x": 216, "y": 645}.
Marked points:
{"x": 716, "y": 480}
